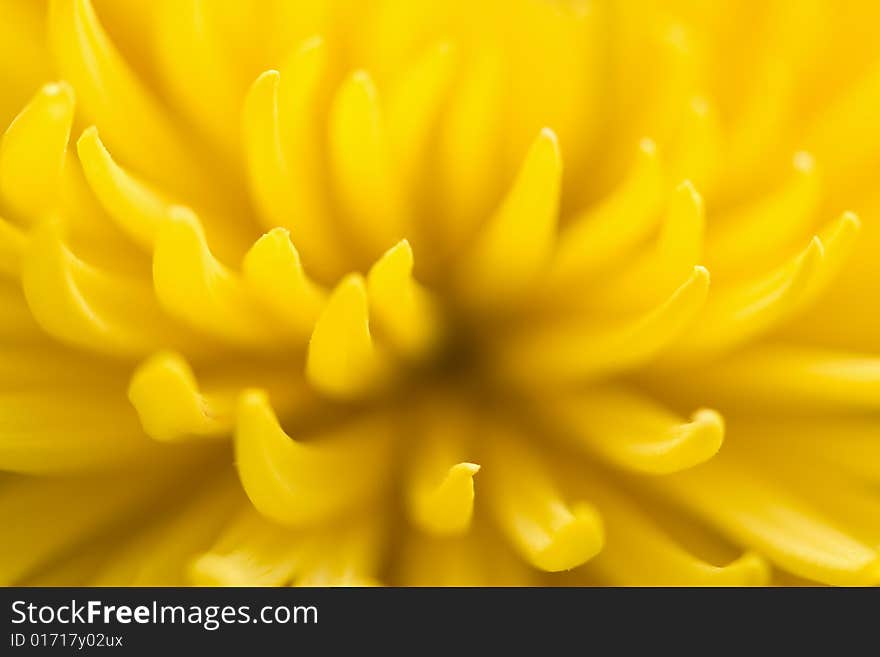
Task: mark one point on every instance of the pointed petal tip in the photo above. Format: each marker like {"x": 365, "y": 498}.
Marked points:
{"x": 513, "y": 247}
{"x": 352, "y": 284}
{"x": 850, "y": 220}
{"x": 687, "y": 198}
{"x": 349, "y": 296}
{"x": 699, "y": 278}
{"x": 269, "y": 77}
{"x": 692, "y": 443}
{"x": 270, "y": 247}
{"x": 361, "y": 79}
{"x": 342, "y": 360}
{"x": 170, "y": 404}
{"x": 261, "y": 93}
{"x": 252, "y": 408}
{"x": 706, "y": 418}
{"x": 183, "y": 227}
{"x": 33, "y": 149}
{"x": 60, "y": 92}
{"x": 546, "y": 148}
{"x": 705, "y": 422}
{"x": 89, "y": 136}
{"x": 164, "y": 392}
{"x": 447, "y": 510}
{"x": 458, "y": 480}
{"x": 278, "y": 237}
{"x": 549, "y": 135}
{"x": 686, "y": 186}
{"x": 577, "y": 541}
{"x": 464, "y": 469}
{"x": 808, "y": 262}
{"x": 402, "y": 251}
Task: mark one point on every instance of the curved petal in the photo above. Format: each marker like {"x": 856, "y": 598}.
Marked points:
{"x": 652, "y": 276}
{"x": 342, "y": 360}
{"x": 755, "y": 511}
{"x": 134, "y": 124}
{"x": 69, "y": 431}
{"x": 193, "y": 286}
{"x": 598, "y": 236}
{"x": 739, "y": 313}
{"x": 414, "y": 105}
{"x": 174, "y": 406}
{"x": 516, "y": 242}
{"x": 274, "y": 274}
{"x": 33, "y": 151}
{"x": 545, "y": 530}
{"x": 283, "y": 156}
{"x": 638, "y": 552}
{"x": 558, "y": 354}
{"x": 404, "y": 312}
{"x": 302, "y": 483}
{"x": 439, "y": 484}
{"x": 88, "y": 307}
{"x": 634, "y": 433}
{"x": 758, "y": 232}
{"x": 132, "y": 204}
{"x": 469, "y": 146}
{"x": 362, "y": 168}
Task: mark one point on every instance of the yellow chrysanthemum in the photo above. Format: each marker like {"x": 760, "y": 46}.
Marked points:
{"x": 302, "y": 292}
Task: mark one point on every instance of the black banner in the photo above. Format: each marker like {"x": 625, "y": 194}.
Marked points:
{"x": 419, "y": 621}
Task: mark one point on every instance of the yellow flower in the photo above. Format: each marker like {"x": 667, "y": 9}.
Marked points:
{"x": 301, "y": 292}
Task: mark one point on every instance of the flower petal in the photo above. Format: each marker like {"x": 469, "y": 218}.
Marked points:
{"x": 598, "y": 236}
{"x": 134, "y": 124}
{"x": 758, "y": 232}
{"x": 405, "y": 313}
{"x": 564, "y": 353}
{"x": 342, "y": 360}
{"x": 297, "y": 483}
{"x": 524, "y": 501}
{"x": 780, "y": 376}
{"x": 274, "y": 274}
{"x": 196, "y": 288}
{"x": 638, "y": 552}
{"x": 362, "y": 167}
{"x": 755, "y": 511}
{"x": 514, "y": 245}
{"x": 439, "y": 484}
{"x": 632, "y": 432}
{"x": 33, "y": 152}
{"x": 92, "y": 308}
{"x": 282, "y": 150}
